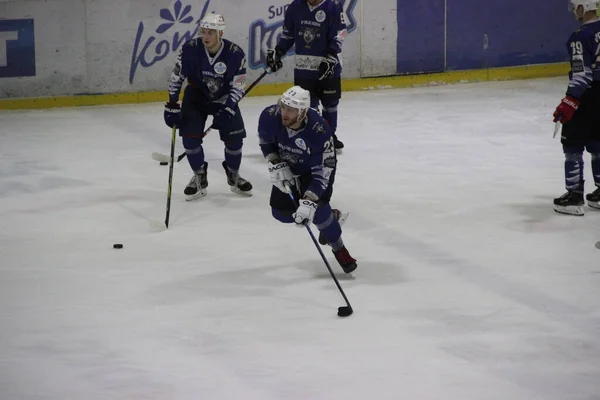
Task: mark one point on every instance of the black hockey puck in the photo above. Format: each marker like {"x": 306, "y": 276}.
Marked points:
{"x": 345, "y": 311}
{"x": 164, "y": 163}
{"x": 598, "y": 245}
{"x": 117, "y": 246}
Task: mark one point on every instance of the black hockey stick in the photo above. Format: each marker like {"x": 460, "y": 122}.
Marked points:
{"x": 163, "y": 158}
{"x": 172, "y": 161}
{"x": 343, "y": 311}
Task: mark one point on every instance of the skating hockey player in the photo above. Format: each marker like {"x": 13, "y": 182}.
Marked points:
{"x": 298, "y": 146}
{"x": 215, "y": 69}
{"x": 579, "y": 111}
{"x": 317, "y": 28}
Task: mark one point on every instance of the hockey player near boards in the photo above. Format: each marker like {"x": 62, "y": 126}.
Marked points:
{"x": 215, "y": 69}
{"x": 298, "y": 145}
{"x": 579, "y": 111}
{"x": 317, "y": 28}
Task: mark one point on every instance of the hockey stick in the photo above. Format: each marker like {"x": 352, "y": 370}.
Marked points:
{"x": 164, "y": 158}
{"x": 168, "y": 212}
{"x": 556, "y": 128}
{"x": 343, "y": 311}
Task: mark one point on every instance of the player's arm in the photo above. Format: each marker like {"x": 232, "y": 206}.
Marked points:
{"x": 285, "y": 43}
{"x": 237, "y": 85}
{"x": 323, "y": 163}
{"x": 288, "y": 34}
{"x": 177, "y": 78}
{"x": 172, "y": 110}
{"x": 582, "y": 53}
{"x": 337, "y": 31}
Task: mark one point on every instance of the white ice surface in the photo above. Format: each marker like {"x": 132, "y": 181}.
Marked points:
{"x": 469, "y": 286}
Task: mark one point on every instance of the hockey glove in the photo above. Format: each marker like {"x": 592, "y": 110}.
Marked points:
{"x": 280, "y": 174}
{"x": 222, "y": 118}
{"x": 327, "y": 66}
{"x": 172, "y": 114}
{"x": 274, "y": 59}
{"x": 566, "y": 109}
{"x": 305, "y": 213}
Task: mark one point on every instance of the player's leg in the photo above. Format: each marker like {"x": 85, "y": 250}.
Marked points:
{"x": 193, "y": 120}
{"x": 233, "y": 137}
{"x": 593, "y": 146}
{"x": 574, "y": 136}
{"x": 593, "y": 199}
{"x": 313, "y": 87}
{"x": 330, "y": 230}
{"x": 330, "y": 93}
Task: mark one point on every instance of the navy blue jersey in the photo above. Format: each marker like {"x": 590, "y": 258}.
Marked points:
{"x": 584, "y": 51}
{"x": 309, "y": 150}
{"x": 316, "y": 32}
{"x": 221, "y": 78}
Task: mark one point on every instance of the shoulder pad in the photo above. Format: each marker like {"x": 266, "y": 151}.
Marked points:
{"x": 191, "y": 43}
{"x": 235, "y": 48}
{"x": 272, "y": 110}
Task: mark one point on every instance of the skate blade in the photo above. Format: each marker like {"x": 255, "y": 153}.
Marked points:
{"x": 594, "y": 204}
{"x": 570, "y": 210}
{"x": 196, "y": 196}
{"x": 241, "y": 192}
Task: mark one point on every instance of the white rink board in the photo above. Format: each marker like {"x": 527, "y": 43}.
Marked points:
{"x": 112, "y": 46}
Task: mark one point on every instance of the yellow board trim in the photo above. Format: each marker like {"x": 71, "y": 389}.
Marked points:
{"x": 386, "y": 82}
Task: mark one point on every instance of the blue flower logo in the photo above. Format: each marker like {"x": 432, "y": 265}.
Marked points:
{"x": 176, "y": 16}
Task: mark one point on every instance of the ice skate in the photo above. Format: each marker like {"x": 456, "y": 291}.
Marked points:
{"x": 197, "y": 186}
{"x": 593, "y": 199}
{"x": 345, "y": 260}
{"x": 570, "y": 203}
{"x": 237, "y": 184}
{"x": 337, "y": 144}
{"x": 341, "y": 217}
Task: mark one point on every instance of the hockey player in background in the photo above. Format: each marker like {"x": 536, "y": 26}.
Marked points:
{"x": 298, "y": 146}
{"x": 215, "y": 69}
{"x": 317, "y": 28}
{"x": 579, "y": 111}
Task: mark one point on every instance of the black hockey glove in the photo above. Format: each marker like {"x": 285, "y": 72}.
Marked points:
{"x": 327, "y": 67}
{"x": 274, "y": 59}
{"x": 172, "y": 114}
{"x": 223, "y": 117}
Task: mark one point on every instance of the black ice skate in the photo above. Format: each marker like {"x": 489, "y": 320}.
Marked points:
{"x": 197, "y": 186}
{"x": 337, "y": 144}
{"x": 341, "y": 217}
{"x": 570, "y": 203}
{"x": 345, "y": 260}
{"x": 593, "y": 199}
{"x": 237, "y": 184}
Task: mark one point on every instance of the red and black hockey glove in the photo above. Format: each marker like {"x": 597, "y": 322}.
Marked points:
{"x": 566, "y": 109}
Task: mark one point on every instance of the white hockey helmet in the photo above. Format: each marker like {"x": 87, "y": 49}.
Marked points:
{"x": 588, "y": 5}
{"x": 296, "y": 97}
{"x": 213, "y": 21}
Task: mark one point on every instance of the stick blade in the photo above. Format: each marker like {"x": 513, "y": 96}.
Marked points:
{"x": 161, "y": 157}
{"x": 158, "y": 226}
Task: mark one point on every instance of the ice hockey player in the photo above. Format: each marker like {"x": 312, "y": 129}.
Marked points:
{"x": 317, "y": 28}
{"x": 579, "y": 111}
{"x": 215, "y": 69}
{"x": 298, "y": 146}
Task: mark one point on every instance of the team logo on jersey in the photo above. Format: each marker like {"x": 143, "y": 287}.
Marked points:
{"x": 320, "y": 16}
{"x": 309, "y": 34}
{"x": 212, "y": 84}
{"x": 300, "y": 143}
{"x": 220, "y": 68}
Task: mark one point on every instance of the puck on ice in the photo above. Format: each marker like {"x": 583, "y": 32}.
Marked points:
{"x": 117, "y": 246}
{"x": 598, "y": 245}
{"x": 164, "y": 163}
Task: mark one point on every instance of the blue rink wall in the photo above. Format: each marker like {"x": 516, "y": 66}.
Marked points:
{"x": 452, "y": 35}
